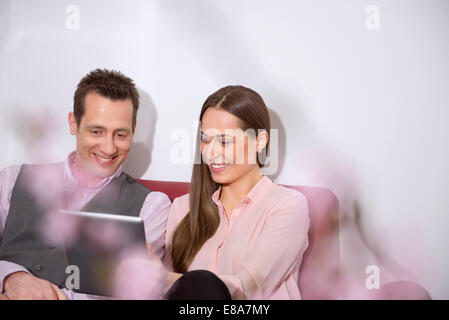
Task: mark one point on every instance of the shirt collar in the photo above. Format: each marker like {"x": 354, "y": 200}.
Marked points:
{"x": 68, "y": 173}
{"x": 255, "y": 193}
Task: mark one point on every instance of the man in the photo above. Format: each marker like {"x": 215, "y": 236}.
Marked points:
{"x": 91, "y": 179}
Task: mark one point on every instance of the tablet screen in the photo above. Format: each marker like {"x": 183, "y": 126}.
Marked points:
{"x": 97, "y": 244}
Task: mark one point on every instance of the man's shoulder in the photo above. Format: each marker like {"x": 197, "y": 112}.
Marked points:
{"x": 134, "y": 183}
{"x": 8, "y": 177}
{"x": 42, "y": 171}
{"x": 10, "y": 174}
{"x": 42, "y": 165}
{"x": 11, "y": 170}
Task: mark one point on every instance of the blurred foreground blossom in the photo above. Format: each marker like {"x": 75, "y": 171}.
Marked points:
{"x": 140, "y": 277}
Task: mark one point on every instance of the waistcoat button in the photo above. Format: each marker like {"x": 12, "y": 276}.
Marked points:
{"x": 38, "y": 267}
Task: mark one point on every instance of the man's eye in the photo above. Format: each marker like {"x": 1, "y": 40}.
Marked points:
{"x": 122, "y": 135}
{"x": 95, "y": 132}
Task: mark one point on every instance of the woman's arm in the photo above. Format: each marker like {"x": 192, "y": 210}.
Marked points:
{"x": 172, "y": 277}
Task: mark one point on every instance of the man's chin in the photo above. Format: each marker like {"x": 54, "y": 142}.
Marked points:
{"x": 103, "y": 173}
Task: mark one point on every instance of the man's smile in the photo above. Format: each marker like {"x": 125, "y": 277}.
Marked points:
{"x": 104, "y": 161}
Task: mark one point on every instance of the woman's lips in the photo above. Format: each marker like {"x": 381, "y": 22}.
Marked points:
{"x": 217, "y": 168}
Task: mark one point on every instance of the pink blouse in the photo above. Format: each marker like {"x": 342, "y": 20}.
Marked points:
{"x": 258, "y": 251}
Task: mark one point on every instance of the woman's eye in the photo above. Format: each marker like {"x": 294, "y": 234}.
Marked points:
{"x": 227, "y": 140}
{"x": 204, "y": 138}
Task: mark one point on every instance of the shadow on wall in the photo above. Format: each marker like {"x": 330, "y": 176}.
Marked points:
{"x": 280, "y": 144}
{"x": 369, "y": 262}
{"x": 140, "y": 156}
{"x": 382, "y": 257}
{"x": 5, "y": 24}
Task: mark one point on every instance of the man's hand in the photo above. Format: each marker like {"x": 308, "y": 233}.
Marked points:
{"x": 23, "y": 286}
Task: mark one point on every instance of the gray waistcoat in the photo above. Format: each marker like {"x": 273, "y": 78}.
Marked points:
{"x": 22, "y": 240}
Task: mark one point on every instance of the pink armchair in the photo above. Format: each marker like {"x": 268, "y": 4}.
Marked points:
{"x": 319, "y": 276}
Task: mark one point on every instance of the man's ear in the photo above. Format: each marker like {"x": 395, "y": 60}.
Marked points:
{"x": 262, "y": 140}
{"x": 72, "y": 124}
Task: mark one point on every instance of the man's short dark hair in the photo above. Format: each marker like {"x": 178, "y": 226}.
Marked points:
{"x": 107, "y": 83}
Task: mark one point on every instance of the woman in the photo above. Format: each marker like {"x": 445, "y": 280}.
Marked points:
{"x": 247, "y": 233}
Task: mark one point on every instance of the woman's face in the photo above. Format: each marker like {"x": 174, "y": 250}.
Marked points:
{"x": 229, "y": 152}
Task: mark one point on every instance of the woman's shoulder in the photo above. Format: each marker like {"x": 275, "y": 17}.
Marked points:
{"x": 289, "y": 201}
{"x": 288, "y": 196}
{"x": 178, "y": 210}
{"x": 182, "y": 201}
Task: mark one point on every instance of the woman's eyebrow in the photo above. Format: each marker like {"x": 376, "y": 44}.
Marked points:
{"x": 219, "y": 135}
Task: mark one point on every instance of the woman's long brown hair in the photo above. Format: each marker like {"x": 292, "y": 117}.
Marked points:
{"x": 203, "y": 219}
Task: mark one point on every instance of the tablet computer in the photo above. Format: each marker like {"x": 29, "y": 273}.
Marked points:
{"x": 96, "y": 244}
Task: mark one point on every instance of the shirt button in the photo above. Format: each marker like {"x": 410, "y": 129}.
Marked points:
{"x": 38, "y": 267}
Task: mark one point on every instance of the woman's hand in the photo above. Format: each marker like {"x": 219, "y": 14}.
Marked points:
{"x": 140, "y": 276}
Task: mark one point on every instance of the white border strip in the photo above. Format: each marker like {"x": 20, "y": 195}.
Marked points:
{"x": 107, "y": 216}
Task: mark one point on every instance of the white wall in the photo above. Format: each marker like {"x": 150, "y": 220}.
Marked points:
{"x": 361, "y": 111}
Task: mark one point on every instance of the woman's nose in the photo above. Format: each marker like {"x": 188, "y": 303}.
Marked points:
{"x": 211, "y": 151}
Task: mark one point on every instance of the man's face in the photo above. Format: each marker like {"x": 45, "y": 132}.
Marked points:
{"x": 104, "y": 136}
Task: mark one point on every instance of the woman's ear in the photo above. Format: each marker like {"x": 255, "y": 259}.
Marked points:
{"x": 262, "y": 140}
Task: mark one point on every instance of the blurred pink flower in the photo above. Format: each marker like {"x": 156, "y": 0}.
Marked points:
{"x": 140, "y": 277}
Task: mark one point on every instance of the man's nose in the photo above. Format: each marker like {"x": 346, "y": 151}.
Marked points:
{"x": 108, "y": 146}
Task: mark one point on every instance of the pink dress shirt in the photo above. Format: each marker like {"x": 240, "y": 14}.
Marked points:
{"x": 258, "y": 251}
{"x": 154, "y": 213}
